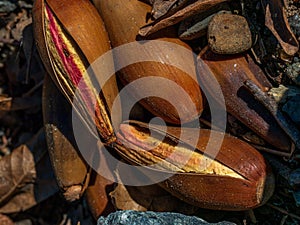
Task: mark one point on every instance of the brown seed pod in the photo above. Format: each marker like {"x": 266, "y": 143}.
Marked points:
{"x": 123, "y": 19}
{"x": 70, "y": 35}
{"x": 231, "y": 72}
{"x": 237, "y": 178}
{"x": 72, "y": 173}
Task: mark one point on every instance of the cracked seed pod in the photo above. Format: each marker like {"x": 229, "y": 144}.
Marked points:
{"x": 123, "y": 19}
{"x": 70, "y": 35}
{"x": 238, "y": 177}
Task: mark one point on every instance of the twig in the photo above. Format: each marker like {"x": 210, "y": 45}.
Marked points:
{"x": 284, "y": 211}
{"x": 283, "y": 220}
{"x": 272, "y": 151}
{"x": 32, "y": 90}
{"x": 252, "y": 216}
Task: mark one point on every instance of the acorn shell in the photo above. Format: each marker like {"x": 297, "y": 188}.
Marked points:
{"x": 252, "y": 188}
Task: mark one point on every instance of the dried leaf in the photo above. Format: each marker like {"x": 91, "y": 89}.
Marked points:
{"x": 149, "y": 197}
{"x": 188, "y": 11}
{"x": 166, "y": 7}
{"x": 123, "y": 201}
{"x": 155, "y": 198}
{"x": 276, "y": 21}
{"x": 45, "y": 184}
{"x": 23, "y": 20}
{"x": 20, "y": 202}
{"x": 16, "y": 170}
{"x": 27, "y": 176}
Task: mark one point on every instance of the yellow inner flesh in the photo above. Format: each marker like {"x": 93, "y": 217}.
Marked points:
{"x": 66, "y": 83}
{"x": 146, "y": 150}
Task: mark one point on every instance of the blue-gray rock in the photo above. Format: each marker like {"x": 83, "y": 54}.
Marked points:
{"x": 291, "y": 107}
{"x": 294, "y": 179}
{"x": 130, "y": 217}
{"x": 7, "y": 7}
{"x": 296, "y": 195}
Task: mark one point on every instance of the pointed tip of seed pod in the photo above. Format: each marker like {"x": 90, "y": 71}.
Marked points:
{"x": 265, "y": 187}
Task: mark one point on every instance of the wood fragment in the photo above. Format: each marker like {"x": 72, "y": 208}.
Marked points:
{"x": 284, "y": 211}
{"x": 188, "y": 11}
{"x": 162, "y": 8}
{"x": 276, "y": 20}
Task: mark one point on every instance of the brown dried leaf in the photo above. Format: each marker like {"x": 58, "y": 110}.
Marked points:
{"x": 123, "y": 201}
{"x": 22, "y": 20}
{"x": 16, "y": 170}
{"x": 21, "y": 201}
{"x": 164, "y": 7}
{"x": 152, "y": 197}
{"x": 188, "y": 11}
{"x": 149, "y": 197}
{"x": 276, "y": 21}
{"x": 27, "y": 176}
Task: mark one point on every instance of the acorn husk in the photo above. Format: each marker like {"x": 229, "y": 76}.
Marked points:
{"x": 231, "y": 72}
{"x": 123, "y": 20}
{"x": 74, "y": 177}
{"x": 83, "y": 38}
{"x": 71, "y": 171}
{"x": 251, "y": 187}
{"x": 70, "y": 36}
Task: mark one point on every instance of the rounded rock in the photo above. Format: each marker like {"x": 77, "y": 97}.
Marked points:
{"x": 229, "y": 34}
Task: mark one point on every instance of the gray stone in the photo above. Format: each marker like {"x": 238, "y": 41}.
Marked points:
{"x": 291, "y": 107}
{"x": 7, "y": 7}
{"x": 293, "y": 72}
{"x": 294, "y": 179}
{"x": 153, "y": 218}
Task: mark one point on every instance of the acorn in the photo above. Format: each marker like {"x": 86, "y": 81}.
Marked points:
{"x": 71, "y": 171}
{"x": 123, "y": 20}
{"x": 234, "y": 176}
{"x": 231, "y": 71}
{"x": 70, "y": 36}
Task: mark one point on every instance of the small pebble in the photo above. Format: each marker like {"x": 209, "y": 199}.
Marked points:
{"x": 153, "y": 218}
{"x": 293, "y": 71}
{"x": 229, "y": 34}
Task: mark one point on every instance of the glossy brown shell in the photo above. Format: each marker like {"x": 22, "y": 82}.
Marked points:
{"x": 123, "y": 19}
{"x": 231, "y": 72}
{"x": 215, "y": 191}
